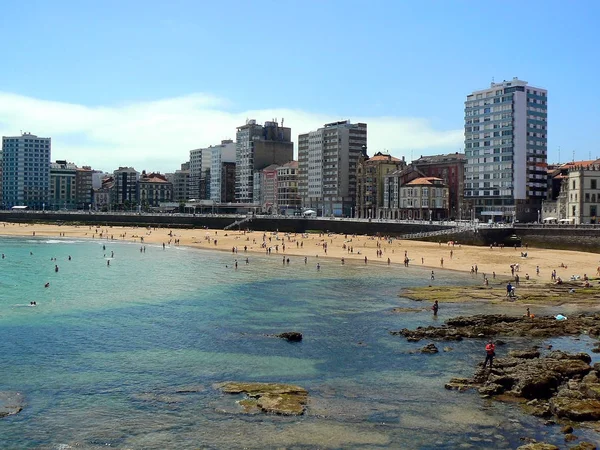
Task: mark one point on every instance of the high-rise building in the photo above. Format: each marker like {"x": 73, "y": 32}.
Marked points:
{"x": 257, "y": 147}
{"x": 26, "y": 171}
{"x": 63, "y": 185}
{"x": 195, "y": 173}
{"x": 84, "y": 187}
{"x": 125, "y": 187}
{"x": 327, "y": 162}
{"x": 221, "y": 156}
{"x": 506, "y": 150}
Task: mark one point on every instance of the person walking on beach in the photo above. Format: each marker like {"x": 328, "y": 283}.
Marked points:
{"x": 432, "y": 275}
{"x": 490, "y": 352}
{"x": 435, "y": 308}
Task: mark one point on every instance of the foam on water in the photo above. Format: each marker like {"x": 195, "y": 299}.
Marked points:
{"x": 126, "y": 355}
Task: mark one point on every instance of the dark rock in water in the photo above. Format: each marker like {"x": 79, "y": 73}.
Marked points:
{"x": 11, "y": 403}
{"x": 292, "y": 336}
{"x": 284, "y": 399}
{"x": 429, "y": 348}
{"x": 538, "y": 446}
{"x": 567, "y": 429}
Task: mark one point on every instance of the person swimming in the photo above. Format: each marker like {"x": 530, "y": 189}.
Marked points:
{"x": 47, "y": 285}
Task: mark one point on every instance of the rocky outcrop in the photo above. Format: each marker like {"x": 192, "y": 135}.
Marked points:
{"x": 292, "y": 336}
{"x": 560, "y": 384}
{"x": 284, "y": 399}
{"x": 489, "y": 325}
{"x": 429, "y": 348}
{"x": 538, "y": 446}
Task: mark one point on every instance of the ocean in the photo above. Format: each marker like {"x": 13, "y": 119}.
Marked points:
{"x": 126, "y": 355}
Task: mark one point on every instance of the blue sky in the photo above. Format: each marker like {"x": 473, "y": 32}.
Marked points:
{"x": 141, "y": 83}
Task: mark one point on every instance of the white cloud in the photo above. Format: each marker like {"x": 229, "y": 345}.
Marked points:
{"x": 157, "y": 135}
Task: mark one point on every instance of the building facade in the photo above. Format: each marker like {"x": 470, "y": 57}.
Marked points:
{"x": 506, "y": 150}
{"x": 451, "y": 169}
{"x": 265, "y": 189}
{"x": 124, "y": 193}
{"x": 84, "y": 188}
{"x": 288, "y": 198}
{"x": 180, "y": 180}
{"x": 392, "y": 184}
{"x": 257, "y": 147}
{"x": 222, "y": 157}
{"x": 195, "y": 173}
{"x": 370, "y": 176}
{"x": 327, "y": 167}
{"x": 424, "y": 198}
{"x": 26, "y": 171}
{"x": 154, "y": 188}
{"x": 63, "y": 185}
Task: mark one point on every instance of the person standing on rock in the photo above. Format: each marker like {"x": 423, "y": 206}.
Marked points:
{"x": 490, "y": 350}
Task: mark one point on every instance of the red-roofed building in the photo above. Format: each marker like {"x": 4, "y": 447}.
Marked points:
{"x": 154, "y": 188}
{"x": 424, "y": 198}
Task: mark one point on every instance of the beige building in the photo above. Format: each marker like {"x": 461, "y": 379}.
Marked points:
{"x": 583, "y": 194}
{"x": 424, "y": 198}
{"x": 370, "y": 176}
{"x": 288, "y": 199}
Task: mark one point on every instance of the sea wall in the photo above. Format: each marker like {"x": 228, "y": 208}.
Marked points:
{"x": 566, "y": 237}
{"x": 283, "y": 224}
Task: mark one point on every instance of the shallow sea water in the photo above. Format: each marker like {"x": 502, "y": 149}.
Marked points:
{"x": 126, "y": 355}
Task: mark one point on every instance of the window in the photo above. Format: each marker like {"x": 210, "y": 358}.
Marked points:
{"x": 593, "y": 184}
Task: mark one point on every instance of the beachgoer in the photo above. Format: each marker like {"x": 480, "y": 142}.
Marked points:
{"x": 56, "y": 268}
{"x": 435, "y": 308}
{"x": 490, "y": 352}
{"x": 432, "y": 275}
{"x": 47, "y": 285}
{"x": 318, "y": 266}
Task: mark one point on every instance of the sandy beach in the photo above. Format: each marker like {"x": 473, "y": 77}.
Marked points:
{"x": 331, "y": 248}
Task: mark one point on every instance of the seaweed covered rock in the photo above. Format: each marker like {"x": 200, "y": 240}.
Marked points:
{"x": 275, "y": 398}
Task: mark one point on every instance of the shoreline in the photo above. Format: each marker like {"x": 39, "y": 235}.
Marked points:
{"x": 493, "y": 263}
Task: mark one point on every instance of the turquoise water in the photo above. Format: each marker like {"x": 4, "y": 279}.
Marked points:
{"x": 126, "y": 355}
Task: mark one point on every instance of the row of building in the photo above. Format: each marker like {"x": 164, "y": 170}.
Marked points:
{"x": 502, "y": 175}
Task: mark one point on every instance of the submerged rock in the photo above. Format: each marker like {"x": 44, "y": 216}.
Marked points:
{"x": 284, "y": 399}
{"x": 11, "y": 403}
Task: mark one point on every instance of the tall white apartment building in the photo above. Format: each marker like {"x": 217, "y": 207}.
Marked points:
{"x": 327, "y": 167}
{"x": 506, "y": 140}
{"x": 25, "y": 171}
{"x": 195, "y": 173}
{"x": 257, "y": 147}
{"x": 220, "y": 154}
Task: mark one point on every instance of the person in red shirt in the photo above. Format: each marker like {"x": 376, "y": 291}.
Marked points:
{"x": 490, "y": 350}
